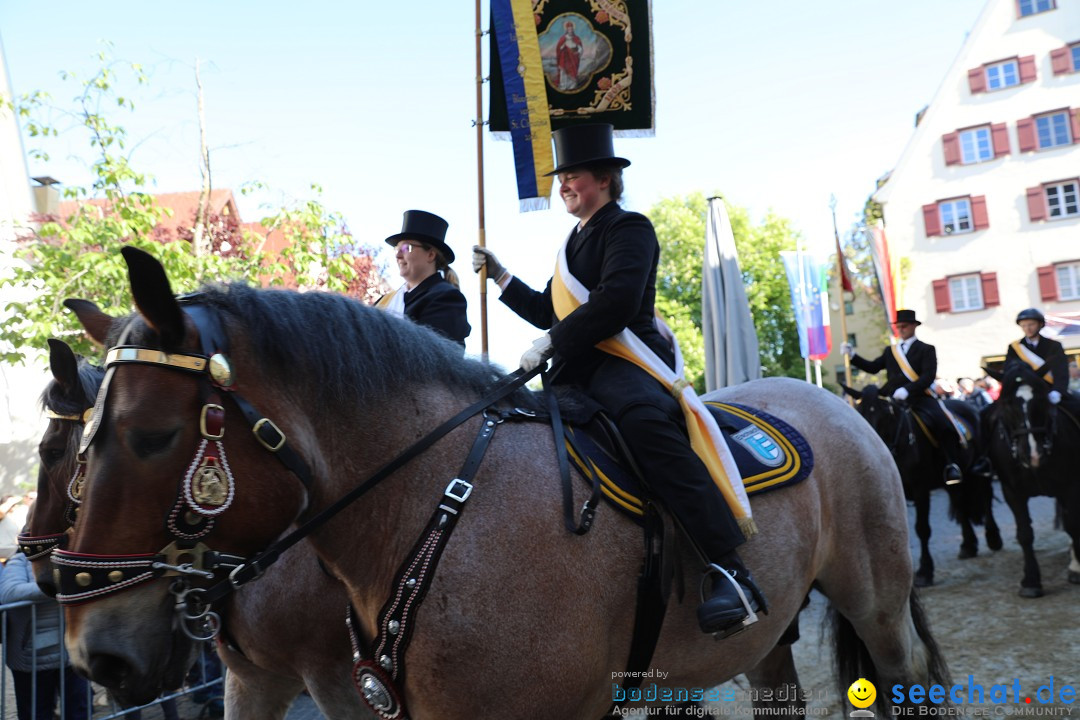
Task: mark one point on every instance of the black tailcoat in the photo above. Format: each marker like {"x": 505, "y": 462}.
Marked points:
{"x": 440, "y": 306}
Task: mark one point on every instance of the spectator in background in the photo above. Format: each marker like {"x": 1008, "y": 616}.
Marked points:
{"x": 25, "y": 640}
{"x": 973, "y": 394}
{"x": 993, "y": 387}
{"x": 1074, "y": 377}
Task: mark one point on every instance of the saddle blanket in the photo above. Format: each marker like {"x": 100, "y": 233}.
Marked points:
{"x": 770, "y": 455}
{"x": 924, "y": 424}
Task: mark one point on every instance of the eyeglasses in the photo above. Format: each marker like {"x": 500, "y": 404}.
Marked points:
{"x": 407, "y": 247}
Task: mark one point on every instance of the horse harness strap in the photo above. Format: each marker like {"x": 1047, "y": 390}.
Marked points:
{"x": 380, "y": 668}
{"x": 588, "y": 510}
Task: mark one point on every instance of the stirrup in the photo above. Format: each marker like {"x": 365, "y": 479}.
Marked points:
{"x": 751, "y": 615}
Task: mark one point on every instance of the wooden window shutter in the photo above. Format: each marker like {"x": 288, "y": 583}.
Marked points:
{"x": 1025, "y": 134}
{"x": 1047, "y": 283}
{"x": 942, "y": 302}
{"x": 1075, "y": 114}
{"x": 1036, "y": 203}
{"x": 1027, "y": 69}
{"x": 977, "y": 80}
{"x": 990, "y": 289}
{"x": 1060, "y": 61}
{"x": 1000, "y": 135}
{"x": 931, "y": 219}
{"x": 951, "y": 143}
{"x": 979, "y": 217}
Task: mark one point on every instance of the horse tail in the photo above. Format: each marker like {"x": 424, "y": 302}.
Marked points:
{"x": 853, "y": 659}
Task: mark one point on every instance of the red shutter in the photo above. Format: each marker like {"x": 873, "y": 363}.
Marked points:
{"x": 1025, "y": 134}
{"x": 1000, "y": 135}
{"x": 951, "y": 142}
{"x": 990, "y": 289}
{"x": 1027, "y": 69}
{"x": 941, "y": 296}
{"x": 1036, "y": 203}
{"x": 931, "y": 219}
{"x": 1076, "y": 125}
{"x": 1059, "y": 60}
{"x": 977, "y": 80}
{"x": 1047, "y": 283}
{"x": 978, "y": 212}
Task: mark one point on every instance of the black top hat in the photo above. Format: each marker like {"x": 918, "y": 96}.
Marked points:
{"x": 580, "y": 145}
{"x": 425, "y": 227}
{"x": 906, "y": 316}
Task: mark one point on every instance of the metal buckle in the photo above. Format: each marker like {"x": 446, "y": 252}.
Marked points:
{"x": 259, "y": 425}
{"x": 454, "y": 493}
{"x": 202, "y": 422}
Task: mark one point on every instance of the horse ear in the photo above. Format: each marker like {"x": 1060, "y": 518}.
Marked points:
{"x": 154, "y": 296}
{"x": 96, "y": 323}
{"x": 994, "y": 374}
{"x": 851, "y": 391}
{"x": 64, "y": 366}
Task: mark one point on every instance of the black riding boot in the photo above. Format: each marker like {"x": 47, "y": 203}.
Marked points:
{"x": 734, "y": 601}
{"x": 953, "y": 476}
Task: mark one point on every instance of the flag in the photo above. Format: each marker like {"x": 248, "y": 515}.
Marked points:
{"x": 524, "y": 100}
{"x": 807, "y": 278}
{"x": 597, "y": 64}
{"x": 731, "y": 345}
{"x": 841, "y": 264}
{"x": 885, "y": 268}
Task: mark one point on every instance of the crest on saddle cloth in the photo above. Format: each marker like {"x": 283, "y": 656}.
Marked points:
{"x": 760, "y": 446}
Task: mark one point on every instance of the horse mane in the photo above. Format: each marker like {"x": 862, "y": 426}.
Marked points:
{"x": 1017, "y": 373}
{"x": 342, "y": 347}
{"x": 63, "y": 400}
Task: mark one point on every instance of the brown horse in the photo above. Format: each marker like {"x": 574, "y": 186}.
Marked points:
{"x": 266, "y": 672}
{"x": 522, "y": 618}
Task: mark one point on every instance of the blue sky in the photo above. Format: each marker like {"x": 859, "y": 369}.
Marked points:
{"x": 775, "y": 105}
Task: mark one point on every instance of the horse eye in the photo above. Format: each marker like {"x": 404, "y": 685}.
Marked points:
{"x": 51, "y": 456}
{"x": 147, "y": 444}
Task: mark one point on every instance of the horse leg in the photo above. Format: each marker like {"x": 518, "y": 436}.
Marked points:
{"x": 993, "y": 532}
{"x": 1072, "y": 528}
{"x": 924, "y": 576}
{"x": 776, "y": 672}
{"x": 1031, "y": 583}
{"x": 252, "y": 693}
{"x": 969, "y": 544}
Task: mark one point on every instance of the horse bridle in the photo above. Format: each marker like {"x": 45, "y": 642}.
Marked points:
{"x": 903, "y": 421}
{"x": 207, "y": 489}
{"x": 1015, "y": 436}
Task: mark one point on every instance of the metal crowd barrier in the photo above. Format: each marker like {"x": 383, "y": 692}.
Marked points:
{"x": 208, "y": 690}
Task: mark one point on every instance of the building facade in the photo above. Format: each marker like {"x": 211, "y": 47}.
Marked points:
{"x": 983, "y": 208}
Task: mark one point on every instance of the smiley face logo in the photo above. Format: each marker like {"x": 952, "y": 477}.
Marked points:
{"x": 862, "y": 693}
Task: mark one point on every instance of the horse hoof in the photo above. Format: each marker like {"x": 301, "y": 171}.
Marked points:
{"x": 993, "y": 542}
{"x": 1074, "y": 577}
{"x": 922, "y": 581}
{"x": 1031, "y": 592}
{"x": 966, "y": 553}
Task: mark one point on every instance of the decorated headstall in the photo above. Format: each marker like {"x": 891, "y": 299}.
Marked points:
{"x": 38, "y": 546}
{"x": 207, "y": 488}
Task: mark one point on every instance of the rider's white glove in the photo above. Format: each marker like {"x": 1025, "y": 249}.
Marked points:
{"x": 1054, "y": 396}
{"x": 900, "y": 394}
{"x": 847, "y": 349}
{"x": 538, "y": 354}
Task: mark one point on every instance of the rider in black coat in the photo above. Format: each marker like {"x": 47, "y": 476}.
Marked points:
{"x": 923, "y": 360}
{"x": 1055, "y": 362}
{"x": 614, "y": 254}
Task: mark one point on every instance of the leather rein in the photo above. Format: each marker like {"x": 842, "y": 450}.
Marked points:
{"x": 208, "y": 488}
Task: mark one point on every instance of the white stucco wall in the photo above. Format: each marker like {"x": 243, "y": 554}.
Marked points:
{"x": 1012, "y": 246}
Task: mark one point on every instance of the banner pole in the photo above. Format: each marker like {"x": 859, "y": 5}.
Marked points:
{"x": 843, "y": 305}
{"x": 481, "y": 234}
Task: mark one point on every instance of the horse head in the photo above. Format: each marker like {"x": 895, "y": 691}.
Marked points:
{"x": 162, "y": 423}
{"x": 66, "y": 400}
{"x": 888, "y": 418}
{"x": 1027, "y": 417}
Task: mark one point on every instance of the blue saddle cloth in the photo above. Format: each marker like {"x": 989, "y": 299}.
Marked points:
{"x": 770, "y": 455}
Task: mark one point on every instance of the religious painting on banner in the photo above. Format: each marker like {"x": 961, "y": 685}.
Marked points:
{"x": 596, "y": 57}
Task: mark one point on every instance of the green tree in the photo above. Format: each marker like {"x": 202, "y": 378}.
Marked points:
{"x": 76, "y": 255}
{"x": 680, "y": 227}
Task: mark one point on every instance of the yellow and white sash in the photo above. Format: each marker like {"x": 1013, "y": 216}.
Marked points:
{"x": 912, "y": 376}
{"x": 393, "y": 302}
{"x": 567, "y": 294}
{"x": 1028, "y": 355}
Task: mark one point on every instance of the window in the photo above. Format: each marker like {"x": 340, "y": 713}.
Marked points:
{"x": 1052, "y": 129}
{"x": 955, "y": 216}
{"x": 1068, "y": 281}
{"x": 1031, "y": 7}
{"x": 851, "y": 340}
{"x": 975, "y": 145}
{"x": 1061, "y": 200}
{"x": 965, "y": 293}
{"x": 1002, "y": 75}
{"x": 1075, "y": 52}
{"x": 849, "y": 308}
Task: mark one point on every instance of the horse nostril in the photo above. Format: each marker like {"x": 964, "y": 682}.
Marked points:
{"x": 109, "y": 670}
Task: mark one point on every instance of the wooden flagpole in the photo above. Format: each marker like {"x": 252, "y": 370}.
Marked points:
{"x": 843, "y": 308}
{"x": 481, "y": 235}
